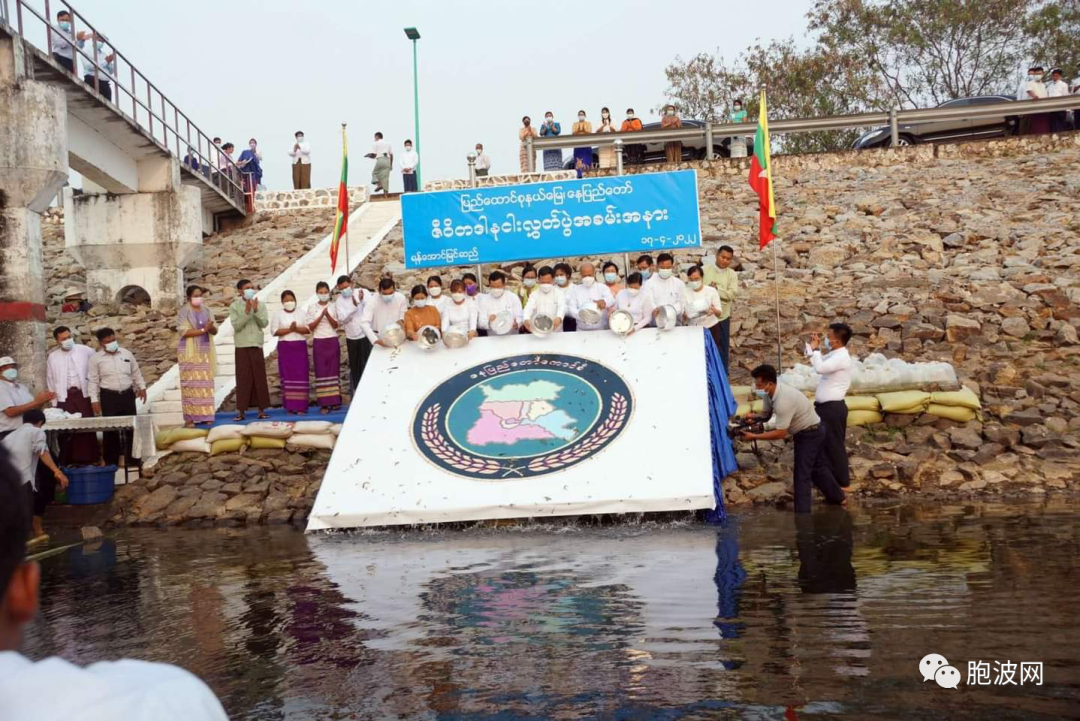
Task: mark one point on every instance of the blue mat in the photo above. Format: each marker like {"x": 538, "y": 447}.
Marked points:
{"x": 279, "y": 414}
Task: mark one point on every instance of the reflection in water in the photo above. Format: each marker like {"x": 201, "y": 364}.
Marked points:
{"x": 769, "y": 616}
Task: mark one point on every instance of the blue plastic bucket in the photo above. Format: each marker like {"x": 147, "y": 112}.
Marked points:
{"x": 90, "y": 485}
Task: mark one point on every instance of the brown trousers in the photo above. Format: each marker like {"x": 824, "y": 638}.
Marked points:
{"x": 78, "y": 449}
{"x": 251, "y": 382}
{"x": 301, "y": 176}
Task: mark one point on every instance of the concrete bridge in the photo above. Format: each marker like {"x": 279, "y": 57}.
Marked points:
{"x": 142, "y": 213}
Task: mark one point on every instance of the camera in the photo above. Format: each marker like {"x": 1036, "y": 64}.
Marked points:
{"x": 736, "y": 426}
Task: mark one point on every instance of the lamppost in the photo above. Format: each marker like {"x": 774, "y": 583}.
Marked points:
{"x": 414, "y": 35}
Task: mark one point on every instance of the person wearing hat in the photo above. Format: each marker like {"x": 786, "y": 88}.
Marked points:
{"x": 671, "y": 121}
{"x": 15, "y": 398}
{"x": 26, "y": 446}
{"x": 68, "y": 376}
{"x": 1057, "y": 88}
{"x": 74, "y": 302}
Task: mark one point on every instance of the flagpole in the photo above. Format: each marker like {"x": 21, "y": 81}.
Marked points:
{"x": 776, "y": 285}
{"x": 348, "y": 268}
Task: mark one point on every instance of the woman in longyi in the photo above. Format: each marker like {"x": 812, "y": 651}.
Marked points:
{"x": 195, "y": 353}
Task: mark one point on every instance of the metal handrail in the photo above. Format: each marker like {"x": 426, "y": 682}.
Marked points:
{"x": 170, "y": 137}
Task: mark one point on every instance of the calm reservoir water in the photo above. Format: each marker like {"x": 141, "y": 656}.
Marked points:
{"x": 764, "y": 618}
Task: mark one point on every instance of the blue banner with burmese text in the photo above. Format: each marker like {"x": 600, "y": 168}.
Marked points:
{"x": 650, "y": 212}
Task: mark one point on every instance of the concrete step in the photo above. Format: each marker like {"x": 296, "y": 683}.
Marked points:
{"x": 166, "y": 407}
{"x": 168, "y": 420}
{"x": 173, "y": 394}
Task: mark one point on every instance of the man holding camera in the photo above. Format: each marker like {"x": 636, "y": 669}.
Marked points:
{"x": 793, "y": 415}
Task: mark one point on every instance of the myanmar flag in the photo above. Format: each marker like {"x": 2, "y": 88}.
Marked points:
{"x": 341, "y": 222}
{"x": 761, "y": 176}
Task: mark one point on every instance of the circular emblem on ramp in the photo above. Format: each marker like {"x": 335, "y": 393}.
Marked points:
{"x": 522, "y": 416}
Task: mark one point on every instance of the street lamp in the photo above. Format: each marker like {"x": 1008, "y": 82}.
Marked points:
{"x": 414, "y": 35}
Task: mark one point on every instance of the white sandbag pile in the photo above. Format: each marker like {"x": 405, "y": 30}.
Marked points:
{"x": 230, "y": 438}
{"x": 878, "y": 374}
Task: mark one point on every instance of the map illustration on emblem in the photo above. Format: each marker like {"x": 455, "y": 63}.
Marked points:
{"x": 522, "y": 416}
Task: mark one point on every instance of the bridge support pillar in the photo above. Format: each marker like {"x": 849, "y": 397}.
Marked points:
{"x": 33, "y": 168}
{"x": 134, "y": 241}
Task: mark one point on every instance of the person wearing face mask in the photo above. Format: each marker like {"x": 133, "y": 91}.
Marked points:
{"x": 106, "y": 64}
{"x": 671, "y": 121}
{"x": 1038, "y": 123}
{"x": 667, "y": 288}
{"x": 1021, "y": 94}
{"x": 300, "y": 153}
{"x": 1057, "y": 88}
{"x": 635, "y": 301}
{"x": 62, "y": 50}
{"x": 436, "y": 297}
{"x": 720, "y": 276}
{"x": 383, "y": 155}
{"x": 250, "y": 164}
{"x": 472, "y": 288}
{"x": 834, "y": 379}
{"x": 634, "y": 152}
{"x": 422, "y": 313}
{"x": 527, "y": 131}
{"x": 410, "y": 160}
{"x": 497, "y": 300}
{"x": 545, "y": 301}
{"x": 646, "y": 267}
{"x": 553, "y": 159}
{"x": 583, "y": 157}
{"x": 349, "y": 306}
{"x": 702, "y": 306}
{"x": 483, "y": 162}
{"x": 606, "y": 152}
{"x": 589, "y": 293}
{"x": 737, "y": 146}
{"x": 611, "y": 278}
{"x": 115, "y": 381}
{"x": 67, "y": 375}
{"x": 563, "y": 272}
{"x": 528, "y": 285}
{"x": 197, "y": 359}
{"x": 460, "y": 313}
{"x": 249, "y": 320}
{"x": 15, "y": 398}
{"x": 322, "y": 322}
{"x": 389, "y": 307}
{"x": 293, "y": 366}
{"x": 792, "y": 414}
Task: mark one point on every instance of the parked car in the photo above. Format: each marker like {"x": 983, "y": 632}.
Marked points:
{"x": 691, "y": 149}
{"x": 942, "y": 130}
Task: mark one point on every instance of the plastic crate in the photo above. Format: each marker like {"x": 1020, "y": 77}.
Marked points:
{"x": 90, "y": 485}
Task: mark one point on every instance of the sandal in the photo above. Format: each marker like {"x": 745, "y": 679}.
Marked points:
{"x": 324, "y": 411}
{"x": 239, "y": 417}
{"x": 262, "y": 416}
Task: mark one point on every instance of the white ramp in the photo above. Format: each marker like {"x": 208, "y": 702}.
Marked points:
{"x": 520, "y": 426}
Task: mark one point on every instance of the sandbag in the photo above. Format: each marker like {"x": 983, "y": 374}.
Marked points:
{"x": 227, "y": 445}
{"x": 258, "y": 442}
{"x": 963, "y": 398}
{"x": 164, "y": 439}
{"x": 268, "y": 429}
{"x": 953, "y": 413}
{"x": 312, "y": 440}
{"x": 741, "y": 393}
{"x": 308, "y": 428}
{"x": 223, "y": 433}
{"x": 336, "y": 428}
{"x": 904, "y": 401}
{"x": 863, "y": 418}
{"x": 190, "y": 445}
{"x": 862, "y": 403}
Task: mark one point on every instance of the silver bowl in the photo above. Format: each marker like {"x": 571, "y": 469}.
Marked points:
{"x": 542, "y": 325}
{"x": 428, "y": 337}
{"x": 393, "y": 335}
{"x": 590, "y": 314}
{"x": 455, "y": 338}
{"x": 622, "y": 322}
{"x": 667, "y": 318}
{"x": 504, "y": 321}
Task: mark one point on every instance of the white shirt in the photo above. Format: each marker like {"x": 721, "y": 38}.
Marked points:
{"x": 12, "y": 394}
{"x": 639, "y": 304}
{"x": 483, "y": 162}
{"x": 350, "y": 314}
{"x": 285, "y": 319}
{"x": 69, "y": 369}
{"x": 834, "y": 370}
{"x": 61, "y": 43}
{"x": 666, "y": 292}
{"x": 104, "y": 691}
{"x": 580, "y": 295}
{"x": 698, "y": 303}
{"x": 25, "y": 445}
{"x": 1021, "y": 91}
{"x": 550, "y": 304}
{"x": 441, "y": 302}
{"x": 324, "y": 329}
{"x": 302, "y": 156}
{"x": 1057, "y": 89}
{"x": 379, "y": 313}
{"x": 1036, "y": 87}
{"x": 488, "y": 305}
{"x": 464, "y": 316}
{"x": 1076, "y": 85}
{"x": 380, "y": 148}
{"x": 409, "y": 160}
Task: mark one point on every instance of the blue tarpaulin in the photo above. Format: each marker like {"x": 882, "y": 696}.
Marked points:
{"x": 722, "y": 407}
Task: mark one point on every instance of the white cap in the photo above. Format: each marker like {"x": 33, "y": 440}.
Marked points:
{"x": 7, "y": 361}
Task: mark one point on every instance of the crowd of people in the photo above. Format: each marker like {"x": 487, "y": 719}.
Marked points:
{"x": 1034, "y": 87}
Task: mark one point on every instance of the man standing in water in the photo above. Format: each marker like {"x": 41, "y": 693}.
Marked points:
{"x": 125, "y": 689}
{"x": 834, "y": 379}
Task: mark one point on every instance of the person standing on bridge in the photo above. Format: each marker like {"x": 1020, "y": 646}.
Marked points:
{"x": 106, "y": 64}
{"x": 527, "y": 131}
{"x": 301, "y": 162}
{"x": 606, "y": 152}
{"x": 483, "y": 162}
{"x": 550, "y": 129}
{"x": 249, "y": 320}
{"x": 250, "y": 164}
{"x": 62, "y": 50}
{"x": 197, "y": 360}
{"x": 384, "y": 163}
{"x": 634, "y": 152}
{"x": 409, "y": 161}
{"x": 671, "y": 121}
{"x": 582, "y": 156}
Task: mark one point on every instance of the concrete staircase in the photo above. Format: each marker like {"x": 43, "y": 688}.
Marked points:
{"x": 368, "y": 225}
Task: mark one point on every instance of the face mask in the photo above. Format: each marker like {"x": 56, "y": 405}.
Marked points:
{"x": 587, "y": 281}
{"x": 249, "y": 293}
{"x": 289, "y": 305}
{"x": 387, "y": 297}
{"x": 1037, "y": 78}
{"x": 529, "y": 282}
{"x": 112, "y": 346}
{"x": 471, "y": 289}
{"x": 11, "y": 373}
{"x": 629, "y": 116}
{"x": 694, "y": 284}
{"x": 408, "y": 148}
{"x": 644, "y": 273}
{"x": 299, "y": 138}
{"x": 633, "y": 291}
{"x": 346, "y": 292}
{"x": 497, "y": 292}
{"x": 324, "y": 297}
{"x": 251, "y": 145}
{"x": 479, "y": 151}
{"x": 546, "y": 287}
{"x": 67, "y": 344}
{"x": 434, "y": 291}
{"x": 458, "y": 297}
{"x": 420, "y": 303}
{"x": 560, "y": 280}
{"x": 549, "y": 119}
{"x": 760, "y": 393}
{"x": 738, "y": 108}
{"x": 65, "y": 26}
{"x": 196, "y": 302}
{"x": 581, "y": 117}
{"x": 611, "y": 277}
{"x": 826, "y": 346}
{"x": 665, "y": 273}
{"x": 670, "y": 112}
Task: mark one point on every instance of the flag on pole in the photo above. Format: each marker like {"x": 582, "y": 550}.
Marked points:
{"x": 761, "y": 176}
{"x": 341, "y": 222}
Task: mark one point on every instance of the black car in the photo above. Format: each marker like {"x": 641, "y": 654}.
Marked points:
{"x": 942, "y": 130}
{"x": 654, "y": 152}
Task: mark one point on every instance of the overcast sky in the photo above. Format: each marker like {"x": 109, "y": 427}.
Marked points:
{"x": 266, "y": 68}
